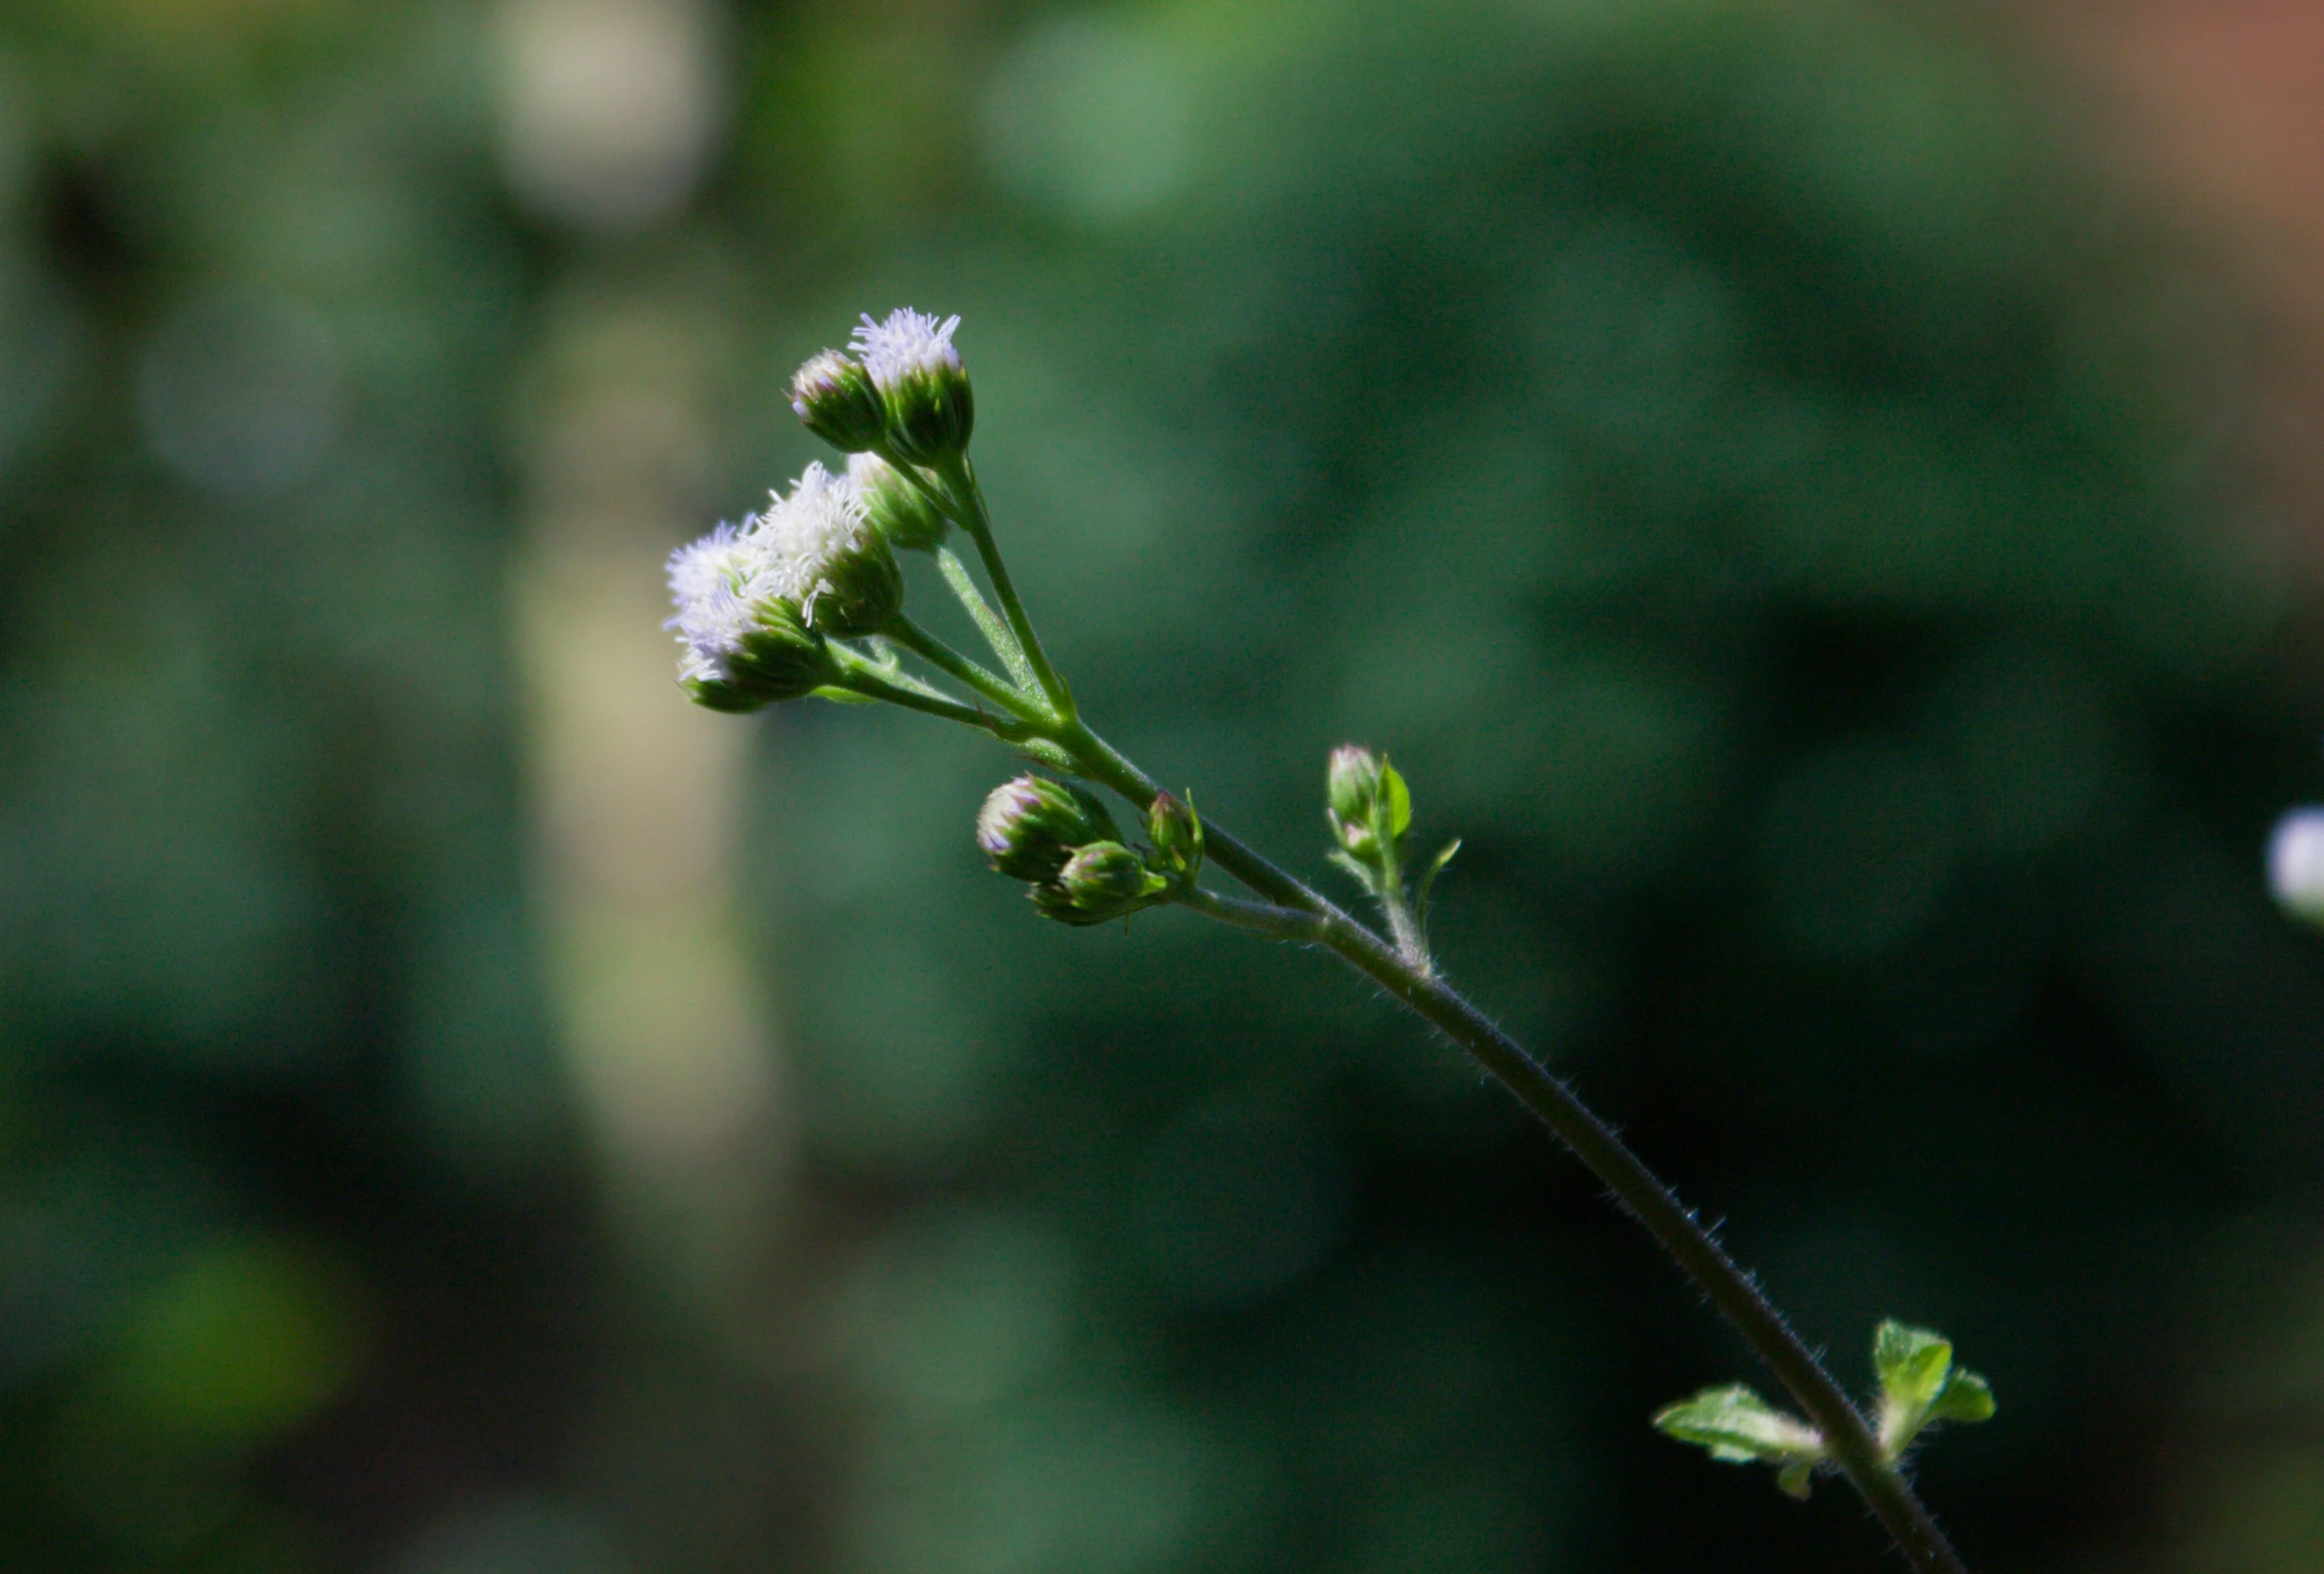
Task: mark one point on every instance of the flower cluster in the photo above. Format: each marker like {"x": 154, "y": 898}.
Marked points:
{"x": 755, "y": 605}
{"x": 758, "y": 606}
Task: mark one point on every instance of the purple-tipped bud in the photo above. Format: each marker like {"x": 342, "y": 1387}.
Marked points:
{"x": 1029, "y": 828}
{"x": 833, "y": 397}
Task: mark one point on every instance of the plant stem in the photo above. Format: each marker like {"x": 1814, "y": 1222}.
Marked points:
{"x": 1846, "y": 1435}
{"x": 979, "y": 523}
{"x": 945, "y": 659}
{"x": 988, "y": 623}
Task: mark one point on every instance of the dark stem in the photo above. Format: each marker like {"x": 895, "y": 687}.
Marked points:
{"x": 1851, "y": 1442}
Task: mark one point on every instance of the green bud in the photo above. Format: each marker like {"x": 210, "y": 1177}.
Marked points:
{"x": 1352, "y": 781}
{"x": 778, "y": 658}
{"x": 896, "y": 509}
{"x": 1029, "y": 828}
{"x": 1371, "y": 808}
{"x": 1176, "y": 833}
{"x": 833, "y": 397}
{"x": 1102, "y": 881}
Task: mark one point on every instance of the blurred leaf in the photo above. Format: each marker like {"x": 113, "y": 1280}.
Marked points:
{"x": 1396, "y": 798}
{"x": 1737, "y": 1426}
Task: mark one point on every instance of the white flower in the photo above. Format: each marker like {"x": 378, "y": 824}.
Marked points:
{"x": 787, "y": 553}
{"x": 810, "y": 531}
{"x": 2295, "y": 864}
{"x": 713, "y": 582}
{"x": 907, "y": 343}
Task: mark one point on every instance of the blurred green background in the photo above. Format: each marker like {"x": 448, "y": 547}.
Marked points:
{"x": 464, "y": 1111}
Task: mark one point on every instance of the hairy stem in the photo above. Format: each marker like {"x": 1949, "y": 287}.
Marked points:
{"x": 1297, "y": 912}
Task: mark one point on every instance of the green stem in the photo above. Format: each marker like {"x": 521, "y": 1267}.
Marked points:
{"x": 1849, "y": 1440}
{"x": 979, "y": 523}
{"x": 988, "y": 623}
{"x": 945, "y": 659}
{"x": 1277, "y": 923}
{"x": 873, "y": 682}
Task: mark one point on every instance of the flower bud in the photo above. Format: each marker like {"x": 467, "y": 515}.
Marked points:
{"x": 833, "y": 397}
{"x": 1352, "y": 787}
{"x": 922, "y": 383}
{"x": 1353, "y": 782}
{"x": 1102, "y": 881}
{"x": 2295, "y": 865}
{"x": 1029, "y": 828}
{"x": 777, "y": 657}
{"x": 1176, "y": 833}
{"x": 895, "y": 508}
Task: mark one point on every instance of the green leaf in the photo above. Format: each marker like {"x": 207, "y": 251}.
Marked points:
{"x": 1912, "y": 1364}
{"x": 1396, "y": 799}
{"x": 1967, "y": 1396}
{"x": 1737, "y": 1426}
{"x": 841, "y": 696}
{"x": 1795, "y": 1479}
{"x": 1429, "y": 875}
{"x": 1920, "y": 1385}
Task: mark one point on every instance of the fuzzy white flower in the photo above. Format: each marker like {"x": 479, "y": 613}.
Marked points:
{"x": 909, "y": 343}
{"x": 810, "y": 532}
{"x": 714, "y": 582}
{"x": 2295, "y": 864}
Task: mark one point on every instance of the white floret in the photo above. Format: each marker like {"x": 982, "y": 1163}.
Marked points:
{"x": 908, "y": 342}
{"x": 719, "y": 582}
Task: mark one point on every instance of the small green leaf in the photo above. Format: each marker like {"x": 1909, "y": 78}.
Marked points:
{"x": 1427, "y": 880}
{"x": 1967, "y": 1396}
{"x": 1796, "y": 1479}
{"x": 1738, "y": 1427}
{"x": 841, "y": 696}
{"x": 1912, "y": 1364}
{"x": 1396, "y": 799}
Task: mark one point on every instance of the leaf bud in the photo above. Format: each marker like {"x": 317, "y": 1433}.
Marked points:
{"x": 1029, "y": 828}
{"x": 1102, "y": 881}
{"x": 924, "y": 388}
{"x": 1176, "y": 833}
{"x": 896, "y": 509}
{"x": 833, "y": 397}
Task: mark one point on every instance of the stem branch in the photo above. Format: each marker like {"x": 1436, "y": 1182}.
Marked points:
{"x": 1298, "y": 913}
{"x": 977, "y": 520}
{"x": 945, "y": 659}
